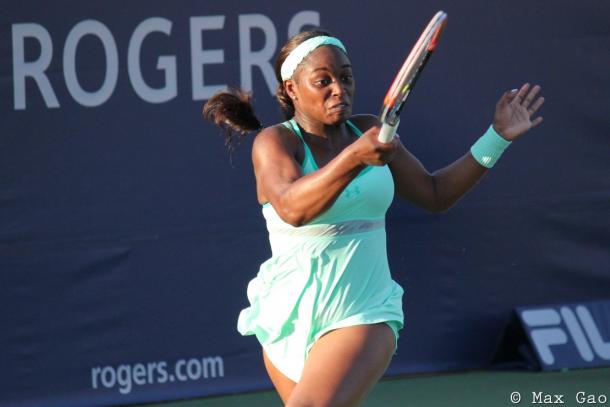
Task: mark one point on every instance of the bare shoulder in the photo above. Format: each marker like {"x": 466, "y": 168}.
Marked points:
{"x": 275, "y": 152}
{"x": 276, "y": 146}
{"x": 365, "y": 121}
{"x": 276, "y": 138}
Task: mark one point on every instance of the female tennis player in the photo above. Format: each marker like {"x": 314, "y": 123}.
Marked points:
{"x": 324, "y": 306}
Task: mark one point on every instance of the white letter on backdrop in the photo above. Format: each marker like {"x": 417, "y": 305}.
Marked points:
{"x": 165, "y": 63}
{"x": 261, "y": 58}
{"x": 34, "y": 69}
{"x": 301, "y": 19}
{"x": 201, "y": 57}
{"x": 96, "y": 98}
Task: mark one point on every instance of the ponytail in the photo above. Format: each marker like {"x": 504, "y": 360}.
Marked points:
{"x": 232, "y": 111}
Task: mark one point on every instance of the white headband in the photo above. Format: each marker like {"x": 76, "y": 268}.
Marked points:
{"x": 303, "y": 49}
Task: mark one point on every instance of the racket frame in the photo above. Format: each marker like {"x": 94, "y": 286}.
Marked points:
{"x": 407, "y": 76}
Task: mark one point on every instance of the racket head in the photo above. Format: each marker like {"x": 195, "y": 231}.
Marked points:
{"x": 412, "y": 67}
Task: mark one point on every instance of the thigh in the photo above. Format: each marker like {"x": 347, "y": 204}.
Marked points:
{"x": 283, "y": 385}
{"x": 344, "y": 365}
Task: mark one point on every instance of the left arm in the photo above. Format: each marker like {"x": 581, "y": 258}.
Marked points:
{"x": 440, "y": 190}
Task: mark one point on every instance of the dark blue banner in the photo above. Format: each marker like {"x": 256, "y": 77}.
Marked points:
{"x": 573, "y": 335}
{"x": 127, "y": 238}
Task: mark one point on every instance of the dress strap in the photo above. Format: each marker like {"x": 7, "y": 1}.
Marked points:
{"x": 292, "y": 124}
{"x": 355, "y": 129}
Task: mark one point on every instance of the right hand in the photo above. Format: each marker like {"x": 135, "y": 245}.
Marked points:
{"x": 370, "y": 151}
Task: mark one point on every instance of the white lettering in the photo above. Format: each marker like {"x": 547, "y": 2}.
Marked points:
{"x": 201, "y": 57}
{"x": 252, "y": 56}
{"x": 601, "y": 348}
{"x": 210, "y": 366}
{"x": 541, "y": 317}
{"x": 577, "y": 334}
{"x": 34, "y": 69}
{"x": 302, "y": 19}
{"x": 96, "y": 98}
{"x": 584, "y": 398}
{"x": 162, "y": 371}
{"x": 151, "y": 367}
{"x": 546, "y": 337}
{"x": 124, "y": 378}
{"x": 542, "y": 398}
{"x": 193, "y": 369}
{"x": 139, "y": 374}
{"x": 127, "y": 376}
{"x": 95, "y": 372}
{"x": 165, "y": 63}
{"x": 181, "y": 376}
{"x": 108, "y": 377}
{"x": 261, "y": 58}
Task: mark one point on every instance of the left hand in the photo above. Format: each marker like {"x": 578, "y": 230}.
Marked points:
{"x": 514, "y": 110}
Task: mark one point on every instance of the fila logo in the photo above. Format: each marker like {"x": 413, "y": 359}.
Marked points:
{"x": 546, "y": 331}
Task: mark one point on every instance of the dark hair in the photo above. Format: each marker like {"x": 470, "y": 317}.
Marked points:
{"x": 232, "y": 110}
{"x": 280, "y": 94}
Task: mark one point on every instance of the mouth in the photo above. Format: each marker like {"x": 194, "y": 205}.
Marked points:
{"x": 339, "y": 107}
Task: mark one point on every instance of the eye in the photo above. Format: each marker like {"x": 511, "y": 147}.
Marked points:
{"x": 322, "y": 82}
{"x": 347, "y": 78}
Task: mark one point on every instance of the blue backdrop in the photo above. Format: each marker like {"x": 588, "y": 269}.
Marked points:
{"x": 127, "y": 239}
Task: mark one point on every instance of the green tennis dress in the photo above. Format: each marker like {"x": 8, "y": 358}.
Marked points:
{"x": 330, "y": 273}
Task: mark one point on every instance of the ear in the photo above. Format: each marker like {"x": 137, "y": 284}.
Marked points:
{"x": 290, "y": 87}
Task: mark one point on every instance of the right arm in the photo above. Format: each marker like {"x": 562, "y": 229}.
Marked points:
{"x": 299, "y": 198}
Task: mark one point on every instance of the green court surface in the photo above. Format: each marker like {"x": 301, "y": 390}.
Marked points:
{"x": 578, "y": 387}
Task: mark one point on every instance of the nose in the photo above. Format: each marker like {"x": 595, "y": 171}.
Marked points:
{"x": 338, "y": 89}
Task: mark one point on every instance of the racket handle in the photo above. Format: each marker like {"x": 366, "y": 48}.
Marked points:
{"x": 387, "y": 132}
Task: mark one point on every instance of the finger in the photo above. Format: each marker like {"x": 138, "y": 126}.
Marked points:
{"x": 512, "y": 94}
{"x": 530, "y": 96}
{"x": 507, "y": 97}
{"x": 536, "y": 105}
{"x": 537, "y": 121}
{"x": 520, "y": 94}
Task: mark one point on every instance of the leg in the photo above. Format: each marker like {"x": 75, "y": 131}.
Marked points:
{"x": 344, "y": 366}
{"x": 283, "y": 385}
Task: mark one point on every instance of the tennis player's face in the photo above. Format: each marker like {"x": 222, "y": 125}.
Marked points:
{"x": 325, "y": 86}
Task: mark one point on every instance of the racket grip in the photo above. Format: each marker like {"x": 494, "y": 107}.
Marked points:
{"x": 387, "y": 132}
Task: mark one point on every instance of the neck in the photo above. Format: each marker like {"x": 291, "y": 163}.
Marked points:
{"x": 319, "y": 129}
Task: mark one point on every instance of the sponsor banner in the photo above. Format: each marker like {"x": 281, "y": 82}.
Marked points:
{"x": 568, "y": 335}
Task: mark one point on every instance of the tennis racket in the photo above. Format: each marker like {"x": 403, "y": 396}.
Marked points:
{"x": 407, "y": 76}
